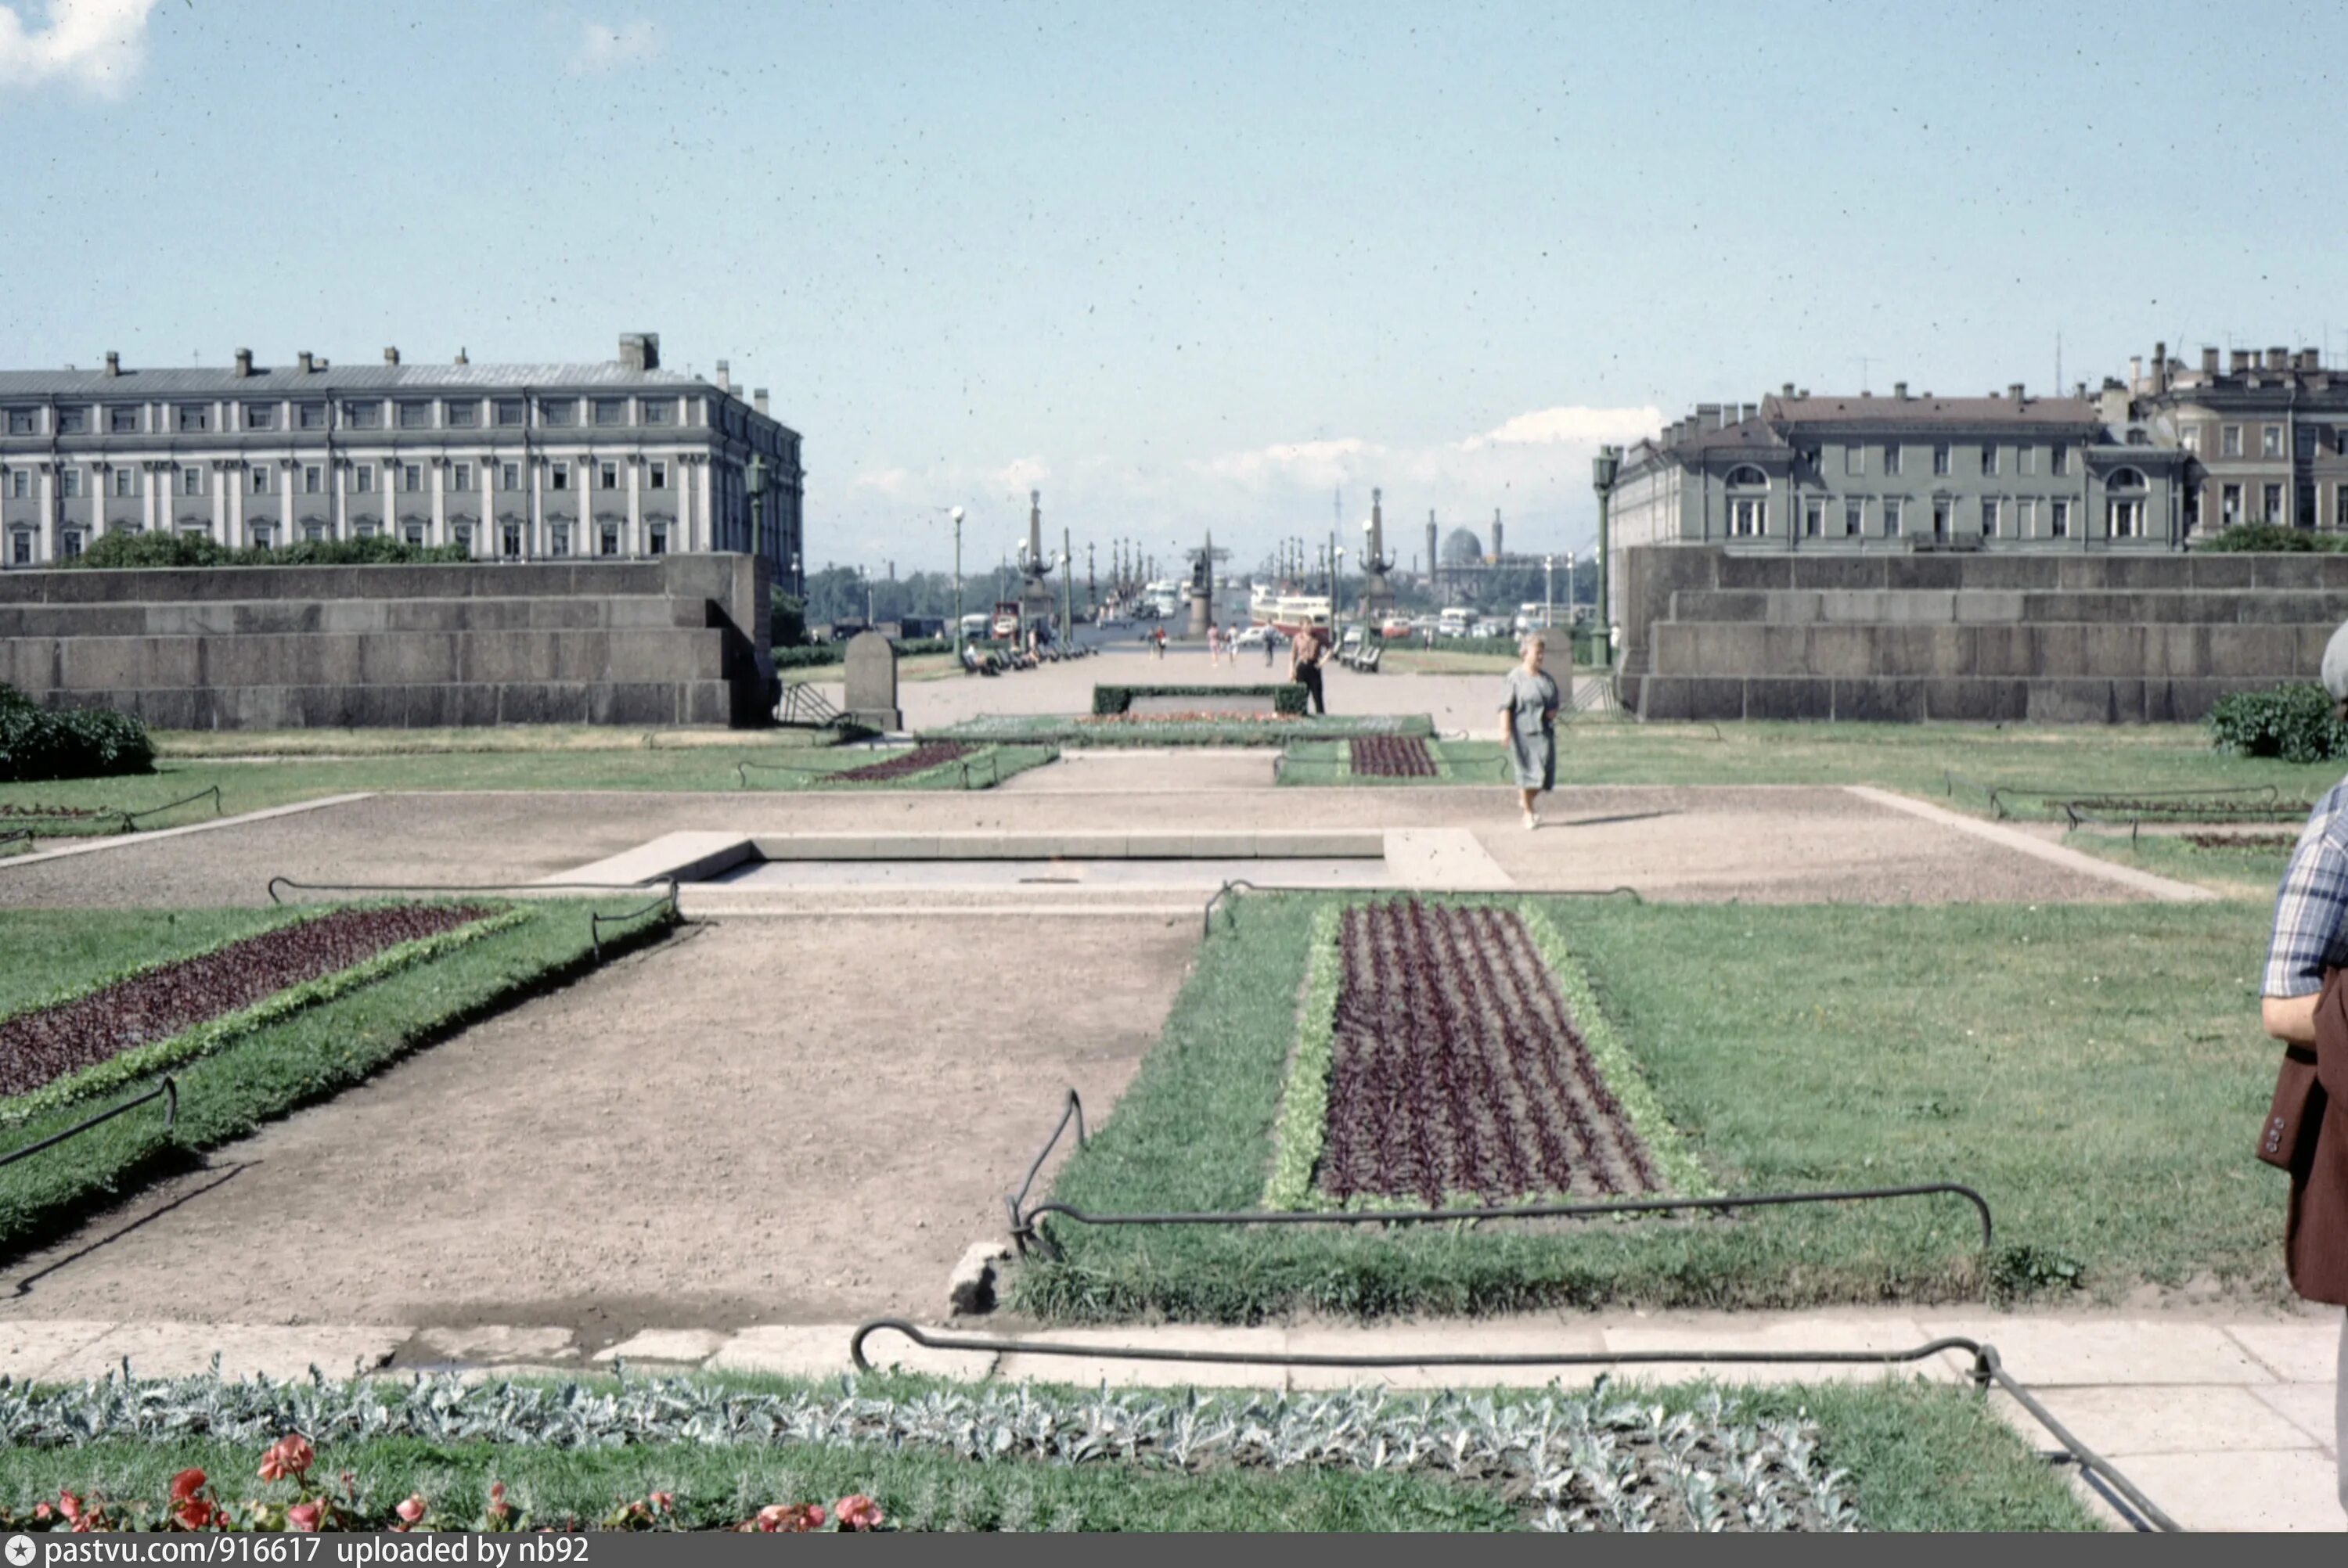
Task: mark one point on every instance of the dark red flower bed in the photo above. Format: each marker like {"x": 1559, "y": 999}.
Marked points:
{"x": 1393, "y": 757}
{"x": 47, "y": 1043}
{"x": 51, "y": 811}
{"x": 1456, "y": 1069}
{"x": 921, "y": 758}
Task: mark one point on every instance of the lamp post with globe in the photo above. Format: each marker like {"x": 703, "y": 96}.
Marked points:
{"x": 1603, "y": 470}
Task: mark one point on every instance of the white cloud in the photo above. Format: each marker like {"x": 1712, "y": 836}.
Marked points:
{"x": 1571, "y": 424}
{"x": 602, "y": 48}
{"x": 1020, "y": 476}
{"x": 893, "y": 483}
{"x": 98, "y": 45}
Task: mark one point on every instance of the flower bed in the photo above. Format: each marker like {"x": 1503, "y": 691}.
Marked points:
{"x": 1438, "y": 1062}
{"x": 1393, "y": 757}
{"x": 1287, "y": 696}
{"x": 1580, "y": 1462}
{"x": 921, "y": 758}
{"x": 43, "y": 1045}
{"x": 1202, "y": 729}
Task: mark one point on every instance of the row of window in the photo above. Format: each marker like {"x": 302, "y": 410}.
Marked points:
{"x": 2314, "y": 438}
{"x": 2273, "y": 504}
{"x": 357, "y": 413}
{"x": 1992, "y": 458}
{"x": 510, "y": 539}
{"x": 1998, "y": 517}
{"x": 406, "y": 476}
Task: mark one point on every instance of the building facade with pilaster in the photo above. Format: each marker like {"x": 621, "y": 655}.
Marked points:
{"x": 518, "y": 462}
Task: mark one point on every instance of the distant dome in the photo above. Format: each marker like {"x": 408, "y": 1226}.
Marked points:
{"x": 1461, "y": 548}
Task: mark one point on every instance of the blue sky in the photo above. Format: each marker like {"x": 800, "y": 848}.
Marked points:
{"x": 1183, "y": 265}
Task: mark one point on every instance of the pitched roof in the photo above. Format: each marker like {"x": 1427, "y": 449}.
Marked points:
{"x": 1796, "y": 412}
{"x": 291, "y": 380}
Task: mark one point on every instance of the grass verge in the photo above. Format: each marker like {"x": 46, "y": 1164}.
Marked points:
{"x": 2092, "y": 1070}
{"x": 294, "y": 1061}
{"x": 1916, "y": 1457}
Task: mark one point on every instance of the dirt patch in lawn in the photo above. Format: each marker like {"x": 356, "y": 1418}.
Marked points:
{"x": 1454, "y": 1068}
{"x": 757, "y": 1122}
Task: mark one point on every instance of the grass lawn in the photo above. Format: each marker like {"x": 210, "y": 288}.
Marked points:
{"x": 1916, "y": 1457}
{"x": 2250, "y": 871}
{"x": 2096, "y": 1071}
{"x": 1400, "y": 658}
{"x": 252, "y": 785}
{"x": 277, "y": 1068}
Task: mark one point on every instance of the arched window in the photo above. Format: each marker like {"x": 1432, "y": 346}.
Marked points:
{"x": 2125, "y": 479}
{"x": 1747, "y": 475}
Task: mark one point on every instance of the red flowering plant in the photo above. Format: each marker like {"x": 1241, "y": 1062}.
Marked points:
{"x": 313, "y": 1508}
{"x": 654, "y": 1511}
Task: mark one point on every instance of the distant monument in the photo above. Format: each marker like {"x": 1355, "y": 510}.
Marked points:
{"x": 1377, "y": 594}
{"x": 1035, "y": 601}
{"x": 872, "y": 682}
{"x": 1202, "y": 586}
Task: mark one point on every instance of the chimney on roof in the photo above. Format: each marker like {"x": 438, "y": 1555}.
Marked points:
{"x": 2135, "y": 372}
{"x": 2014, "y": 392}
{"x": 1431, "y": 557}
{"x": 1497, "y": 550}
{"x": 1864, "y": 393}
{"x": 113, "y": 363}
{"x": 2208, "y": 360}
{"x": 1707, "y": 416}
{"x": 758, "y": 400}
{"x": 2080, "y": 392}
{"x": 1787, "y": 390}
{"x": 1751, "y": 409}
{"x": 391, "y": 357}
{"x": 1900, "y": 390}
{"x": 2239, "y": 361}
{"x": 1804, "y": 393}
{"x": 244, "y": 362}
{"x": 2308, "y": 359}
{"x": 724, "y": 376}
{"x": 307, "y": 362}
{"x": 2160, "y": 367}
{"x": 461, "y": 357}
{"x": 2278, "y": 359}
{"x": 640, "y": 350}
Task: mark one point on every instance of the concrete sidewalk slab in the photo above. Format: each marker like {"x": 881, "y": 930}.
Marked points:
{"x": 2062, "y": 1352}
{"x": 1120, "y": 1373}
{"x": 1513, "y": 1337}
{"x": 245, "y": 1349}
{"x": 1778, "y": 1336}
{"x": 2121, "y": 1422}
{"x": 2294, "y": 1489}
{"x": 29, "y": 1348}
{"x": 2306, "y": 1352}
{"x": 820, "y": 1350}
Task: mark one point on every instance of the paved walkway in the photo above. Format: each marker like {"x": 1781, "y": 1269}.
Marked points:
{"x": 2227, "y": 1425}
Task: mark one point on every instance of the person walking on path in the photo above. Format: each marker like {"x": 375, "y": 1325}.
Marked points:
{"x": 1305, "y": 656}
{"x": 1158, "y": 642}
{"x": 2303, "y": 1003}
{"x": 1528, "y": 704}
{"x": 1271, "y": 642}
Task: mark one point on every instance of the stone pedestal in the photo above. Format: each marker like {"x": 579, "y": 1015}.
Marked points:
{"x": 1377, "y": 601}
{"x": 872, "y": 682}
{"x": 1037, "y": 602}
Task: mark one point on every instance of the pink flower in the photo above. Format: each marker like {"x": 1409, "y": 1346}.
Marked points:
{"x": 661, "y": 1501}
{"x": 289, "y": 1455}
{"x": 301, "y": 1518}
{"x": 186, "y": 1484}
{"x": 412, "y": 1508}
{"x": 789, "y": 1518}
{"x": 70, "y": 1506}
{"x": 857, "y": 1511}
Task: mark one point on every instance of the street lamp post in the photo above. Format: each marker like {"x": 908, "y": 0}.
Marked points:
{"x": 755, "y": 480}
{"x": 1548, "y": 593}
{"x": 1603, "y": 469}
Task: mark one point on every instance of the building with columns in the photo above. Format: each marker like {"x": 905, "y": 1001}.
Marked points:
{"x": 516, "y": 462}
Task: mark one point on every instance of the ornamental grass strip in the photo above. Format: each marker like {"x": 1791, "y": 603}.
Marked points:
{"x": 45, "y": 1045}
{"x": 1439, "y": 1063}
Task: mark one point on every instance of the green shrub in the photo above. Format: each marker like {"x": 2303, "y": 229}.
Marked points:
{"x": 1287, "y": 696}
{"x": 71, "y": 744}
{"x": 119, "y": 551}
{"x": 808, "y": 655}
{"x": 785, "y": 619}
{"x": 2270, "y": 537}
{"x": 2296, "y": 722}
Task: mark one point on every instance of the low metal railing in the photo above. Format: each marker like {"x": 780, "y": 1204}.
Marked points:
{"x": 1988, "y": 1371}
{"x": 168, "y": 1091}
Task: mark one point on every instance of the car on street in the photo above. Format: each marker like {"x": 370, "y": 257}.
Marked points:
{"x": 1255, "y": 636}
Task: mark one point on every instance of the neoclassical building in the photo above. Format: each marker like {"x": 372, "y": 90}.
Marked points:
{"x": 522, "y": 462}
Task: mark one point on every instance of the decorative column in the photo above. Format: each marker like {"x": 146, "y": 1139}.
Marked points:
{"x": 636, "y": 467}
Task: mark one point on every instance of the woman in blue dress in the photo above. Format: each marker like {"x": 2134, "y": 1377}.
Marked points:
{"x": 1528, "y": 704}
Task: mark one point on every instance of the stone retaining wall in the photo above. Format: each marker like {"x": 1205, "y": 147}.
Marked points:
{"x": 679, "y": 640}
{"x": 1709, "y": 634}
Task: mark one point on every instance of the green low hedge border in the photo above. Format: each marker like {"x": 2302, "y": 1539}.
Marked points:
{"x": 1287, "y": 696}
